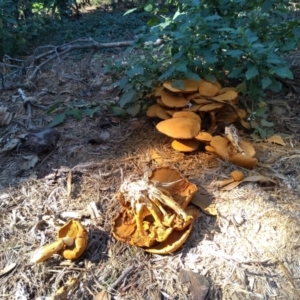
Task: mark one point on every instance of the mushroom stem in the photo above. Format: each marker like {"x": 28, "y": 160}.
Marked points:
{"x": 222, "y": 183}
{"x": 47, "y": 251}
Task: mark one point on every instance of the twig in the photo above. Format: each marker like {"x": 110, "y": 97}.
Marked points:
{"x": 125, "y": 272}
{"x": 27, "y": 104}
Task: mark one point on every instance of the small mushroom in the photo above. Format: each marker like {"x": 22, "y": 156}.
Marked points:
{"x": 204, "y": 136}
{"x": 185, "y": 145}
{"x": 71, "y": 242}
{"x": 235, "y": 176}
{"x": 179, "y": 128}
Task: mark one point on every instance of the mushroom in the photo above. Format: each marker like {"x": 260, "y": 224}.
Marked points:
{"x": 162, "y": 113}
{"x": 179, "y": 128}
{"x": 173, "y": 100}
{"x": 223, "y": 147}
{"x": 235, "y": 176}
{"x": 185, "y": 145}
{"x": 187, "y": 114}
{"x": 71, "y": 242}
{"x": 151, "y": 111}
{"x": 155, "y": 211}
{"x": 227, "y": 96}
{"x": 203, "y": 136}
{"x": 208, "y": 89}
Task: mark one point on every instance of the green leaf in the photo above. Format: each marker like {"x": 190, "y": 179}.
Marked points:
{"x": 148, "y": 7}
{"x": 130, "y": 11}
{"x": 234, "y": 53}
{"x": 167, "y": 74}
{"x": 235, "y": 72}
{"x": 242, "y": 88}
{"x": 265, "y": 82}
{"x": 213, "y": 18}
{"x": 261, "y": 111}
{"x": 90, "y": 111}
{"x": 134, "y": 110}
{"x": 210, "y": 78}
{"x": 251, "y": 72}
{"x": 227, "y": 29}
{"x": 181, "y": 68}
{"x": 178, "y": 84}
{"x": 192, "y": 75}
{"x": 267, "y": 5}
{"x": 265, "y": 123}
{"x": 284, "y": 72}
{"x": 127, "y": 97}
{"x": 53, "y": 108}
{"x": 153, "y": 21}
{"x": 118, "y": 111}
{"x": 57, "y": 120}
{"x": 275, "y": 86}
{"x": 135, "y": 70}
{"x": 76, "y": 113}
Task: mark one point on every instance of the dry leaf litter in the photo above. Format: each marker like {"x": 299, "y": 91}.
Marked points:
{"x": 245, "y": 242}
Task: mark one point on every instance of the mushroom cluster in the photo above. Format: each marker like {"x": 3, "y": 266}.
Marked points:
{"x": 155, "y": 214}
{"x": 184, "y": 108}
{"x": 72, "y": 239}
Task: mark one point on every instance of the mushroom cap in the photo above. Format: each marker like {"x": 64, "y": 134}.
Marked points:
{"x": 208, "y": 89}
{"x": 200, "y": 100}
{"x": 193, "y": 107}
{"x": 73, "y": 229}
{"x": 162, "y": 113}
{"x": 237, "y": 175}
{"x": 175, "y": 240}
{"x": 173, "y": 100}
{"x": 211, "y": 107}
{"x": 185, "y": 145}
{"x": 188, "y": 86}
{"x": 226, "y": 89}
{"x": 203, "y": 136}
{"x": 187, "y": 114}
{"x": 151, "y": 111}
{"x": 179, "y": 128}
{"x": 227, "y": 96}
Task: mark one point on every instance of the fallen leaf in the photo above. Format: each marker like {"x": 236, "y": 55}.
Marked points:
{"x": 203, "y": 201}
{"x": 7, "y": 269}
{"x": 254, "y": 178}
{"x": 197, "y": 284}
{"x": 12, "y": 144}
{"x": 30, "y": 163}
{"x": 277, "y": 139}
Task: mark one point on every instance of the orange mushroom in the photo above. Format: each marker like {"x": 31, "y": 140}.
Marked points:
{"x": 71, "y": 242}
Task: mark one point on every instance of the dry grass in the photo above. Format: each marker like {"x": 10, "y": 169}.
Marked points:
{"x": 258, "y": 259}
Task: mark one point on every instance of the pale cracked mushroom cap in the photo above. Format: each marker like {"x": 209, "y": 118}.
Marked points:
{"x": 179, "y": 128}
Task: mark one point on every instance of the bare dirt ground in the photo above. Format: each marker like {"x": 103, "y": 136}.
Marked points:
{"x": 258, "y": 258}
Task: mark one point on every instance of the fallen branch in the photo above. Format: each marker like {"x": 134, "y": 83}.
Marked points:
{"x": 18, "y": 71}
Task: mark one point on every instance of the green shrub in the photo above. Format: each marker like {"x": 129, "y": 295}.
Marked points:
{"x": 219, "y": 39}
